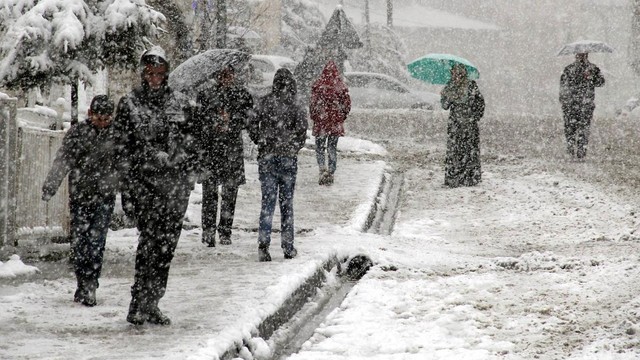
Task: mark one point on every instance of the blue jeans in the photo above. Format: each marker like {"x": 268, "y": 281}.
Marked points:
{"x": 330, "y": 143}
{"x": 277, "y": 180}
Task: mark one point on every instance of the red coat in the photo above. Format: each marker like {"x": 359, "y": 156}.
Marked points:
{"x": 330, "y": 102}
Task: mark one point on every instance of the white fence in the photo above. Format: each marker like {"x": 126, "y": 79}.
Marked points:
{"x": 28, "y": 148}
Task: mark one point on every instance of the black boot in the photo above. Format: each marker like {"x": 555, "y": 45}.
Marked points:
{"x": 136, "y": 315}
{"x": 263, "y": 254}
{"x": 209, "y": 238}
{"x": 290, "y": 253}
{"x": 155, "y": 316}
{"x": 89, "y": 297}
{"x": 85, "y": 292}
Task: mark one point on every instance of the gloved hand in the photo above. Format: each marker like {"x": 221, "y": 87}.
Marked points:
{"x": 127, "y": 204}
{"x": 47, "y": 193}
{"x": 162, "y": 159}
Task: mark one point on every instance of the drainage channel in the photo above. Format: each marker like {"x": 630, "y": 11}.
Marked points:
{"x": 298, "y": 318}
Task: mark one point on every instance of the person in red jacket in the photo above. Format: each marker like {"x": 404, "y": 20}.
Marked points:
{"x": 329, "y": 106}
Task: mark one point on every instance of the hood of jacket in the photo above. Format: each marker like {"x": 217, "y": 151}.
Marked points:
{"x": 284, "y": 85}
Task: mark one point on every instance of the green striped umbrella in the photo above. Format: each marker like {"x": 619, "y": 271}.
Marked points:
{"x": 436, "y": 68}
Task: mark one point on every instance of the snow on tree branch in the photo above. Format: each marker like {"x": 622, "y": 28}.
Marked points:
{"x": 61, "y": 41}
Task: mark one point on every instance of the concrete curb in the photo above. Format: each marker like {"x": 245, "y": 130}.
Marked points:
{"x": 289, "y": 308}
{"x": 310, "y": 287}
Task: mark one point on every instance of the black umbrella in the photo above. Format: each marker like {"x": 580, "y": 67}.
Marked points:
{"x": 202, "y": 67}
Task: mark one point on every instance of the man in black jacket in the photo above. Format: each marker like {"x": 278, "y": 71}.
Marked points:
{"x": 153, "y": 133}
{"x": 223, "y": 113}
{"x": 87, "y": 155}
{"x": 577, "y": 97}
{"x": 279, "y": 129}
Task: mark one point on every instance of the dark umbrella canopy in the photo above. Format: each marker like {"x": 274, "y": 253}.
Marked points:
{"x": 202, "y": 67}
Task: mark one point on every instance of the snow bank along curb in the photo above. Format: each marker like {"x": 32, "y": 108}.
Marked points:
{"x": 288, "y": 309}
{"x": 309, "y": 288}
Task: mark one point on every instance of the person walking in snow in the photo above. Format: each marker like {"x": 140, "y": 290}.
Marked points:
{"x": 154, "y": 137}
{"x": 223, "y": 113}
{"x": 463, "y": 98}
{"x": 328, "y": 108}
{"x": 577, "y": 97}
{"x": 279, "y": 130}
{"x": 87, "y": 155}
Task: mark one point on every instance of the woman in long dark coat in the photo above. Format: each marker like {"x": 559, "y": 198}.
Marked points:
{"x": 463, "y": 98}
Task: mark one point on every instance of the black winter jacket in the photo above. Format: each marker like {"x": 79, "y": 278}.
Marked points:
{"x": 577, "y": 90}
{"x": 221, "y": 116}
{"x": 154, "y": 139}
{"x": 88, "y": 156}
{"x": 280, "y": 125}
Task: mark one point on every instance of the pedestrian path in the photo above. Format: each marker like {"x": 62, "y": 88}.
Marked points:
{"x": 217, "y": 298}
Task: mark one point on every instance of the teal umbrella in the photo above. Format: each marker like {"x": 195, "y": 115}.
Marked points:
{"x": 436, "y": 68}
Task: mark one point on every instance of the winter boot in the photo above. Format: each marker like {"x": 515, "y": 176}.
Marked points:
{"x": 209, "y": 238}
{"x": 85, "y": 293}
{"x": 329, "y": 179}
{"x": 263, "y": 254}
{"x": 290, "y": 253}
{"x": 79, "y": 295}
{"x": 225, "y": 240}
{"x": 155, "y": 316}
{"x": 136, "y": 315}
{"x": 89, "y": 298}
{"x": 322, "y": 176}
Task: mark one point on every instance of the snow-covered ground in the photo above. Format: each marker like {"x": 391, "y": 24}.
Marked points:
{"x": 537, "y": 262}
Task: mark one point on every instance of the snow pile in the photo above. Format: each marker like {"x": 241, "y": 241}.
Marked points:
{"x": 15, "y": 267}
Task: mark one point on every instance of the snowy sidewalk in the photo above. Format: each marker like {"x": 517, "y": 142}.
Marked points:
{"x": 216, "y": 297}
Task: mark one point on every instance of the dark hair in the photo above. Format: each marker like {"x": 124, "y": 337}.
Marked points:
{"x": 101, "y": 104}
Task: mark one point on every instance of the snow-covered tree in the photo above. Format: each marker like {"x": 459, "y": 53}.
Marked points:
{"x": 302, "y": 25}
{"x": 66, "y": 41}
{"x": 386, "y": 54}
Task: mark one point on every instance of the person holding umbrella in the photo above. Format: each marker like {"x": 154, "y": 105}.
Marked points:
{"x": 577, "y": 97}
{"x": 223, "y": 112}
{"x": 462, "y": 97}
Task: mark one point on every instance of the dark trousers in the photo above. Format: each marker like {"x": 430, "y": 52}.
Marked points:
{"x": 89, "y": 227}
{"x": 159, "y": 217}
{"x": 210, "y": 194}
{"x": 577, "y": 125}
{"x": 277, "y": 181}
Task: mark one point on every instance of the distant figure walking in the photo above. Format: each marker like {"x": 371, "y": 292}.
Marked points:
{"x": 279, "y": 129}
{"x": 329, "y": 106}
{"x": 88, "y": 156}
{"x": 463, "y": 98}
{"x": 577, "y": 97}
{"x": 157, "y": 155}
{"x": 223, "y": 113}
